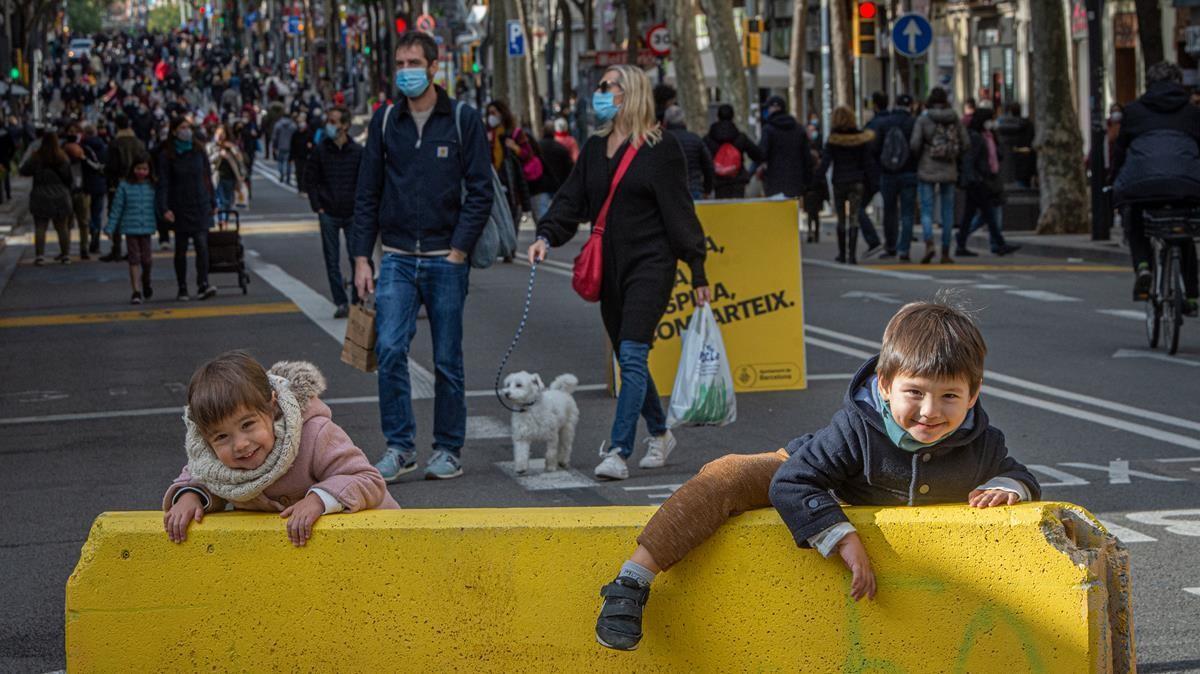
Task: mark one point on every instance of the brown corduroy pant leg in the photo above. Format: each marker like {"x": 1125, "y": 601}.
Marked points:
{"x": 722, "y": 489}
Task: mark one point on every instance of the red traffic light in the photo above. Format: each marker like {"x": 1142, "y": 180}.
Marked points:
{"x": 401, "y": 24}
{"x": 867, "y": 10}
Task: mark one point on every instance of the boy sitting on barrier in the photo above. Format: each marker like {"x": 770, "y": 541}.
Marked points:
{"x": 910, "y": 432}
{"x": 263, "y": 440}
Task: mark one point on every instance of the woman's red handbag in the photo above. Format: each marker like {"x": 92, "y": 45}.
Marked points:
{"x": 589, "y": 265}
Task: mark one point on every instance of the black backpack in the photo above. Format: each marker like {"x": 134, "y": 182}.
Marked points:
{"x": 895, "y": 150}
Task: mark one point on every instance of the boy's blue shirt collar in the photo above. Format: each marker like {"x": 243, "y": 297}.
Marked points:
{"x": 869, "y": 393}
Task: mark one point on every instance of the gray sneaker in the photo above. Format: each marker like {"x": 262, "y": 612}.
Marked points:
{"x": 396, "y": 463}
{"x": 443, "y": 466}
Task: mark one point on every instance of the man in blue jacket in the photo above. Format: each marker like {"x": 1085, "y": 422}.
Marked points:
{"x": 424, "y": 189}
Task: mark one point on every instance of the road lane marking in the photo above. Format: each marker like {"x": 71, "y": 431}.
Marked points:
{"x": 1189, "y": 458}
{"x": 320, "y": 311}
{"x": 537, "y": 479}
{"x": 1192, "y": 590}
{"x": 904, "y": 275}
{"x": 1152, "y": 355}
{"x": 1090, "y": 268}
{"x": 1125, "y": 534}
{"x": 1064, "y": 478}
{"x": 1043, "y": 296}
{"x": 1190, "y": 526}
{"x": 1130, "y": 410}
{"x": 262, "y": 171}
{"x": 208, "y": 311}
{"x": 1131, "y": 314}
{"x": 1119, "y": 472}
{"x": 992, "y": 286}
{"x": 652, "y": 487}
{"x": 885, "y": 298}
{"x": 1042, "y": 404}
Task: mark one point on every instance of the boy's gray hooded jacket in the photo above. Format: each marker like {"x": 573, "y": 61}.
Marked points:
{"x": 853, "y": 460}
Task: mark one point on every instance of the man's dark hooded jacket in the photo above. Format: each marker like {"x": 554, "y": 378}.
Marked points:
{"x": 1157, "y": 153}
{"x": 853, "y": 460}
{"x": 785, "y": 149}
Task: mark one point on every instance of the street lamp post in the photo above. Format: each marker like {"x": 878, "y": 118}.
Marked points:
{"x": 1101, "y": 213}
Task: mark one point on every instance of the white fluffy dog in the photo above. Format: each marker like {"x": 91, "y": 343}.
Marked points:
{"x": 547, "y": 414}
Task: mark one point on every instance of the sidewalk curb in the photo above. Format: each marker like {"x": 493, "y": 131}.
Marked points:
{"x": 1111, "y": 252}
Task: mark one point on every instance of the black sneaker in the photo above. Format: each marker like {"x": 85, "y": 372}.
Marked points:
{"x": 872, "y": 251}
{"x": 887, "y": 255}
{"x": 206, "y": 292}
{"x": 963, "y": 252}
{"x": 1008, "y": 249}
{"x": 147, "y": 292}
{"x": 136, "y": 299}
{"x": 1141, "y": 285}
{"x": 343, "y": 311}
{"x": 183, "y": 295}
{"x": 619, "y": 626}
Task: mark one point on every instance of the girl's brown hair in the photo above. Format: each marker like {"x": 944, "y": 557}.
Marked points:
{"x": 138, "y": 161}
{"x": 50, "y": 153}
{"x": 226, "y": 384}
{"x": 843, "y": 119}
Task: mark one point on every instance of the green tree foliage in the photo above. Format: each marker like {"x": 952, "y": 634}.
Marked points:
{"x": 85, "y": 16}
{"x": 163, "y": 18}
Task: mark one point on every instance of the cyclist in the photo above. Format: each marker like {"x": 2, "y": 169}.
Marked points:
{"x": 1157, "y": 160}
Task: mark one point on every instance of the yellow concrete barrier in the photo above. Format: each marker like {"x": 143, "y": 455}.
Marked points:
{"x": 1036, "y": 587}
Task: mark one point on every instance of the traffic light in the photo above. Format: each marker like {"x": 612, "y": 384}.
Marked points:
{"x": 401, "y": 24}
{"x": 367, "y": 49}
{"x": 14, "y": 74}
{"x": 864, "y": 27}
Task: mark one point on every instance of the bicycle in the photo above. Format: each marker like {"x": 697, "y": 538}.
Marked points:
{"x": 1167, "y": 227}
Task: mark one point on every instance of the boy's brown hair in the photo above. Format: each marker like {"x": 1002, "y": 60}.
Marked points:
{"x": 932, "y": 339}
{"x": 225, "y": 384}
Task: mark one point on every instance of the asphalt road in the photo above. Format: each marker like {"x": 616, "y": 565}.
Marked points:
{"x": 90, "y": 401}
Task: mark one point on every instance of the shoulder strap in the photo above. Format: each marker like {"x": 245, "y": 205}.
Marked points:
{"x": 626, "y": 160}
{"x": 383, "y": 133}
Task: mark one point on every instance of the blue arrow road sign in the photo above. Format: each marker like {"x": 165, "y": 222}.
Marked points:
{"x": 516, "y": 39}
{"x": 912, "y": 35}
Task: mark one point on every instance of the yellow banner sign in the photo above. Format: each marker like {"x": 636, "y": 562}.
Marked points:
{"x": 753, "y": 267}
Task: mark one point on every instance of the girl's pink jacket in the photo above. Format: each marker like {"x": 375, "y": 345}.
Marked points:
{"x": 327, "y": 459}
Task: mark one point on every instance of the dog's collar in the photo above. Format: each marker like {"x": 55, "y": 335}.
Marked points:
{"x": 522, "y": 408}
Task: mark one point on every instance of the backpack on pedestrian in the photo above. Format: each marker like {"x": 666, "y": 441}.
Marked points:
{"x": 728, "y": 161}
{"x": 499, "y": 235}
{"x": 946, "y": 143}
{"x": 895, "y": 150}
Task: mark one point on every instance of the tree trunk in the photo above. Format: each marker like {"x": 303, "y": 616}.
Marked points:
{"x": 527, "y": 96}
{"x": 499, "y": 50}
{"x": 689, "y": 73}
{"x": 1063, "y": 189}
{"x": 633, "y": 16}
{"x": 799, "y": 54}
{"x": 332, "y": 51}
{"x": 589, "y": 23}
{"x": 1149, "y": 19}
{"x": 843, "y": 60}
{"x": 567, "y": 51}
{"x": 727, "y": 53}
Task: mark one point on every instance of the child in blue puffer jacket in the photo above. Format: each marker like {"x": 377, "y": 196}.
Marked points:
{"x": 132, "y": 214}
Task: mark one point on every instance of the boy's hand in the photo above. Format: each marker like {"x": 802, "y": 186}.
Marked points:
{"x": 301, "y": 518}
{"x": 862, "y": 584}
{"x": 176, "y": 520}
{"x": 986, "y": 498}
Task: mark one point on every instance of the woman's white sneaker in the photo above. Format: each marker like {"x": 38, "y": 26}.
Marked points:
{"x": 612, "y": 467}
{"x": 658, "y": 448}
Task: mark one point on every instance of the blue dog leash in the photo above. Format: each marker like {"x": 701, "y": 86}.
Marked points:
{"x": 516, "y": 338}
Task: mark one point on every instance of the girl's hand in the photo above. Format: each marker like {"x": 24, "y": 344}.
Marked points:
{"x": 512, "y": 145}
{"x": 301, "y": 518}
{"x": 701, "y": 295}
{"x": 186, "y": 509}
{"x": 862, "y": 584}
{"x": 986, "y": 498}
{"x": 537, "y": 252}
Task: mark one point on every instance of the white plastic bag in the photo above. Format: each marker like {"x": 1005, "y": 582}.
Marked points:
{"x": 703, "y": 393}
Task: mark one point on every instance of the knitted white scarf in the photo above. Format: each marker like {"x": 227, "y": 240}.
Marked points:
{"x": 238, "y": 485}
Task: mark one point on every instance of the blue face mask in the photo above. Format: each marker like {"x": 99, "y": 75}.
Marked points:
{"x": 331, "y": 130}
{"x": 182, "y": 146}
{"x": 603, "y": 104}
{"x": 412, "y": 82}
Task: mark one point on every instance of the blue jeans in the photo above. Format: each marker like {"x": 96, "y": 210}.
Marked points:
{"x": 331, "y": 231}
{"x": 541, "y": 204}
{"x": 285, "y": 165}
{"x": 864, "y": 220}
{"x": 97, "y": 214}
{"x": 225, "y": 196}
{"x": 638, "y": 397}
{"x": 898, "y": 189}
{"x": 946, "y": 193}
{"x": 405, "y": 283}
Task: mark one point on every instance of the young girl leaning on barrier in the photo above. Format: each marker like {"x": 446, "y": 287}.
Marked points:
{"x": 911, "y": 431}
{"x": 260, "y": 440}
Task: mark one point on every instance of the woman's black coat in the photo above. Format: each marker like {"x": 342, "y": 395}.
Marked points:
{"x": 651, "y": 225}
{"x": 185, "y": 188}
